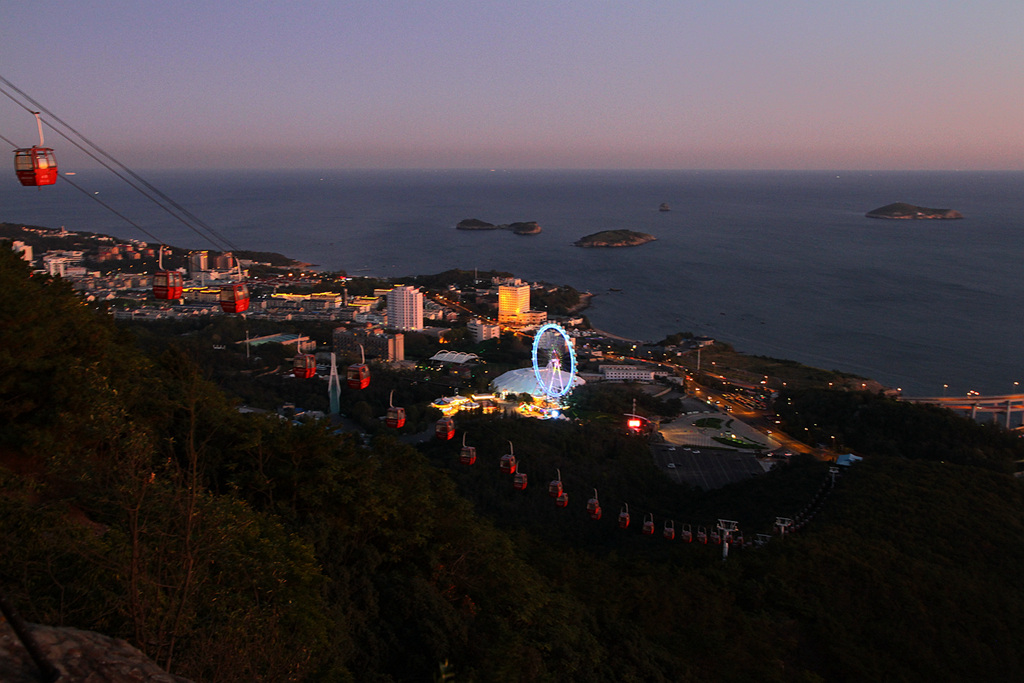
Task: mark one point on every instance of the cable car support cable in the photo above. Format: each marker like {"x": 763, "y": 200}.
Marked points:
{"x": 184, "y": 215}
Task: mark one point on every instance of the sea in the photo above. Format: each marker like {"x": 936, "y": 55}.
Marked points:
{"x": 776, "y": 263}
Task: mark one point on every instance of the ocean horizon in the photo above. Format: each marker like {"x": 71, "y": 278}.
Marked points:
{"x": 777, "y": 263}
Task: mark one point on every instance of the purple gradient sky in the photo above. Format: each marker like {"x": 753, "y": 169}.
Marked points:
{"x": 787, "y": 84}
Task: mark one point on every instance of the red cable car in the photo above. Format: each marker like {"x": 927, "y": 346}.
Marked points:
{"x": 594, "y": 507}
{"x": 168, "y": 284}
{"x": 624, "y": 516}
{"x": 304, "y": 366}
{"x": 555, "y": 487}
{"x": 445, "y": 429}
{"x": 35, "y": 166}
{"x": 396, "y": 416}
{"x": 358, "y": 374}
{"x": 562, "y": 500}
{"x": 702, "y": 535}
{"x": 508, "y": 461}
{"x": 715, "y": 537}
{"x": 686, "y": 534}
{"x": 234, "y": 298}
{"x": 669, "y": 532}
{"x": 648, "y": 529}
{"x": 467, "y": 456}
{"x": 519, "y": 481}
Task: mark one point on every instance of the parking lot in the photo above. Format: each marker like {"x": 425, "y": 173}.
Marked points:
{"x": 706, "y": 468}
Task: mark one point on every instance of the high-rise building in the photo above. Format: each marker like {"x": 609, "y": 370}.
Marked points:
{"x": 513, "y": 302}
{"x": 198, "y": 261}
{"x": 405, "y": 308}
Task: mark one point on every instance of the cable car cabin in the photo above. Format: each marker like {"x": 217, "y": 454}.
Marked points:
{"x": 445, "y": 429}
{"x": 168, "y": 284}
{"x": 737, "y": 540}
{"x": 519, "y": 481}
{"x": 555, "y": 488}
{"x": 234, "y": 298}
{"x": 396, "y": 417}
{"x": 594, "y": 507}
{"x": 35, "y": 166}
{"x": 648, "y": 529}
{"x": 686, "y": 534}
{"x": 358, "y": 376}
{"x": 304, "y": 366}
{"x": 467, "y": 456}
{"x": 562, "y": 500}
{"x": 669, "y": 531}
{"x": 508, "y": 463}
{"x": 702, "y": 535}
{"x": 624, "y": 519}
{"x": 715, "y": 537}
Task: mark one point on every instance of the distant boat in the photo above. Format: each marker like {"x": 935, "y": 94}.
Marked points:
{"x": 664, "y": 207}
{"x": 614, "y": 289}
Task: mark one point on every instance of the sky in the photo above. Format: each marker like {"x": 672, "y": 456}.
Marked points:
{"x": 647, "y": 84}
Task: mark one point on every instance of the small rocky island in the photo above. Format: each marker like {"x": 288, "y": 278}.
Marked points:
{"x": 521, "y": 228}
{"x": 904, "y": 211}
{"x": 664, "y": 207}
{"x": 615, "y": 238}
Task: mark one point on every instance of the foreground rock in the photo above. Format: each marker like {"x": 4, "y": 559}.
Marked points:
{"x": 78, "y": 656}
{"x": 615, "y": 238}
{"x": 521, "y": 228}
{"x": 904, "y": 211}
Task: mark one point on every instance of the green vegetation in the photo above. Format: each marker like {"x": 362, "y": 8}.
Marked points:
{"x": 722, "y": 360}
{"x": 871, "y": 423}
{"x": 614, "y": 238}
{"x": 137, "y": 501}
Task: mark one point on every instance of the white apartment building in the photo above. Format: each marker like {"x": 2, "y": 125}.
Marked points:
{"x": 631, "y": 373}
{"x": 405, "y": 308}
{"x": 482, "y": 331}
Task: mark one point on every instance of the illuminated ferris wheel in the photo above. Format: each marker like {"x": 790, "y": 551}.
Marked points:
{"x": 554, "y": 361}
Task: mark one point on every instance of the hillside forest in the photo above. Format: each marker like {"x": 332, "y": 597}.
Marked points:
{"x": 138, "y": 501}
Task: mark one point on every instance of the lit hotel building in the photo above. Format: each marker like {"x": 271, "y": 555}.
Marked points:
{"x": 513, "y": 302}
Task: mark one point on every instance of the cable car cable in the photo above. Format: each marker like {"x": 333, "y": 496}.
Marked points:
{"x": 218, "y": 240}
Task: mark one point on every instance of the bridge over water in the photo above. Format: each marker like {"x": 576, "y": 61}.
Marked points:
{"x": 974, "y": 403}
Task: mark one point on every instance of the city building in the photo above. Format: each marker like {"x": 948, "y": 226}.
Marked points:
{"x": 374, "y": 342}
{"x": 405, "y": 308}
{"x": 198, "y": 261}
{"x": 24, "y": 249}
{"x": 631, "y": 373}
{"x": 513, "y": 302}
{"x": 482, "y": 331}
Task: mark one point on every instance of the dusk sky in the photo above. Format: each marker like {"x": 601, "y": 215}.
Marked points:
{"x": 732, "y": 84}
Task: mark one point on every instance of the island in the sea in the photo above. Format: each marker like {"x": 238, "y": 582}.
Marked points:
{"x": 904, "y": 211}
{"x": 520, "y": 228}
{"x": 615, "y": 238}
{"x": 664, "y": 207}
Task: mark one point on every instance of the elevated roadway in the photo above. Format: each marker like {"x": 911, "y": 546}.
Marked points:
{"x": 975, "y": 403}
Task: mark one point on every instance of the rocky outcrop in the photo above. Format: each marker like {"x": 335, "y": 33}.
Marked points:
{"x": 904, "y": 211}
{"x": 77, "y": 656}
{"x": 520, "y": 228}
{"x": 615, "y": 238}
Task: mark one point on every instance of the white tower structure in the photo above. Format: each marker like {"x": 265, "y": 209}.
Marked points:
{"x": 405, "y": 308}
{"x": 334, "y": 387}
{"x": 513, "y": 301}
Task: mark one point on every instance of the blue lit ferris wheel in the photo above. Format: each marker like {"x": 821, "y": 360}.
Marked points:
{"x": 552, "y": 351}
